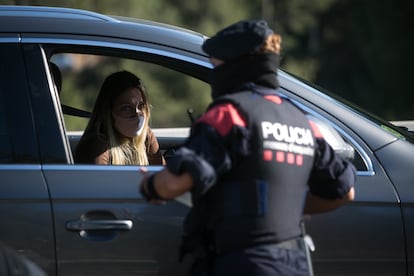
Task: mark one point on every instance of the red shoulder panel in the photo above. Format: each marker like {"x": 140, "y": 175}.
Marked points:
{"x": 315, "y": 129}
{"x": 223, "y": 117}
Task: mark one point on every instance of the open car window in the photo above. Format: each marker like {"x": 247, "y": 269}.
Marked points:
{"x": 175, "y": 97}
{"x": 172, "y": 94}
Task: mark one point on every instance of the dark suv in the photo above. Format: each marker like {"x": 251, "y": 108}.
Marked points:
{"x": 75, "y": 219}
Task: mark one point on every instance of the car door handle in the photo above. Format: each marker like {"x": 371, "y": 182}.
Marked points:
{"x": 88, "y": 225}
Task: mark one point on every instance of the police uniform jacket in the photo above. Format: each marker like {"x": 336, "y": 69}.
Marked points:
{"x": 253, "y": 156}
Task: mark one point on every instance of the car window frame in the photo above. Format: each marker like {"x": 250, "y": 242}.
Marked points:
{"x": 48, "y": 121}
{"x": 190, "y": 64}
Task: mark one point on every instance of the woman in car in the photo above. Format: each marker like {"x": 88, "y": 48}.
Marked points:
{"x": 118, "y": 131}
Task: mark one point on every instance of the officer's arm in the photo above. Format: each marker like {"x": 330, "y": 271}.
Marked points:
{"x": 169, "y": 185}
{"x": 331, "y": 183}
{"x": 315, "y": 204}
{"x": 188, "y": 169}
{"x": 204, "y": 156}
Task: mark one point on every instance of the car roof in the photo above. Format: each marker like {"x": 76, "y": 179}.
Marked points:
{"x": 44, "y": 20}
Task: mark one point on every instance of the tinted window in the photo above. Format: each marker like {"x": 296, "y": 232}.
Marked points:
{"x": 5, "y": 139}
{"x": 17, "y": 139}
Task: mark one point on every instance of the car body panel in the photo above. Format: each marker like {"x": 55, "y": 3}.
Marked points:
{"x": 396, "y": 167}
{"x": 103, "y": 26}
{"x": 383, "y": 250}
{"x": 338, "y": 254}
{"x": 25, "y": 204}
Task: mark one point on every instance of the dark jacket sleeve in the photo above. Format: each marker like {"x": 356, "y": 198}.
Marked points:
{"x": 332, "y": 177}
{"x": 204, "y": 156}
{"x": 217, "y": 139}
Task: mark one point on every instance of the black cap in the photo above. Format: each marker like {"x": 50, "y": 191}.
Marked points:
{"x": 238, "y": 39}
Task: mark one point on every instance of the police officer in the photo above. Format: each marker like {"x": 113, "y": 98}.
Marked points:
{"x": 253, "y": 163}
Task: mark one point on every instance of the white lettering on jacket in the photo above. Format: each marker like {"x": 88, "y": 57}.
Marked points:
{"x": 288, "y": 134}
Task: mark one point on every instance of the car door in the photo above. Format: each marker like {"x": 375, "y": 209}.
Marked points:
{"x": 102, "y": 224}
{"x": 105, "y": 227}
{"x": 366, "y": 236}
{"x": 26, "y": 213}
{"x": 397, "y": 161}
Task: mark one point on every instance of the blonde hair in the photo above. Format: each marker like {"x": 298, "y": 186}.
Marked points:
{"x": 123, "y": 151}
{"x": 273, "y": 44}
{"x": 129, "y": 152}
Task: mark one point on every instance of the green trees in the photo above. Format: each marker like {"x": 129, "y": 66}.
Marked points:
{"x": 358, "y": 49}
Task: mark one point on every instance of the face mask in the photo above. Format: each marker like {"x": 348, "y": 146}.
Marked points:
{"x": 140, "y": 124}
{"x": 129, "y": 127}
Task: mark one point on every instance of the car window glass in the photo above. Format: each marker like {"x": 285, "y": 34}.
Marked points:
{"x": 343, "y": 146}
{"x": 5, "y": 140}
{"x": 175, "y": 98}
{"x": 171, "y": 94}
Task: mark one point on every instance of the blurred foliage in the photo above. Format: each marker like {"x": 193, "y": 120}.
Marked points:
{"x": 359, "y": 49}
{"x": 170, "y": 93}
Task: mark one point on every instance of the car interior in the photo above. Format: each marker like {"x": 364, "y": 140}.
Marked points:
{"x": 77, "y": 78}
